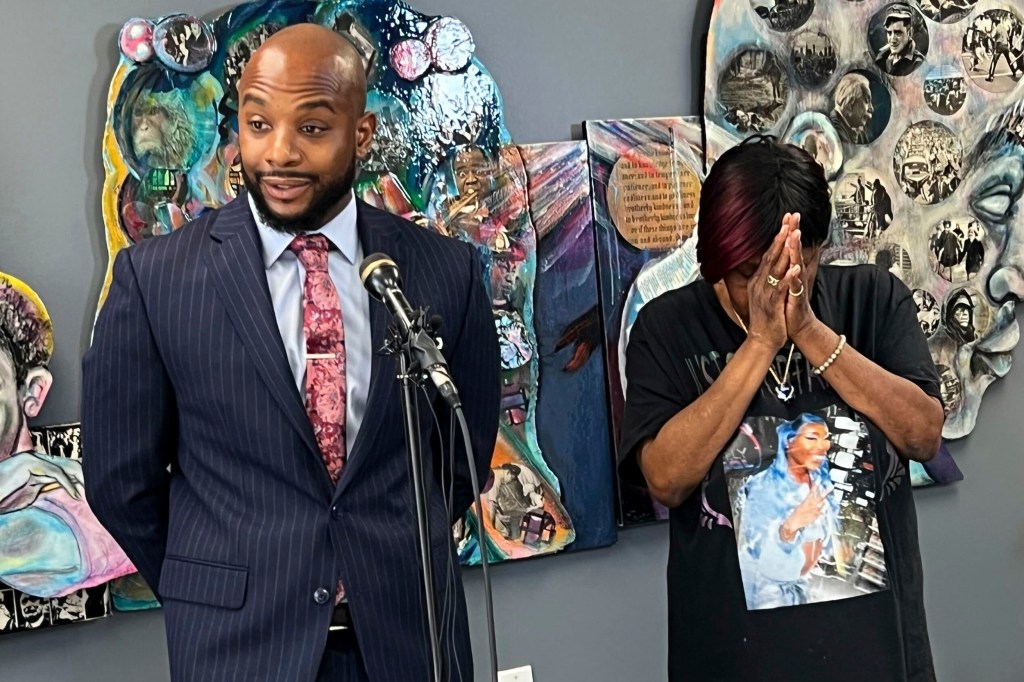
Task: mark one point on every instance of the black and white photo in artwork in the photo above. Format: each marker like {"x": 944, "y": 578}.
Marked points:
{"x": 20, "y": 611}
{"x": 899, "y": 39}
{"x": 861, "y": 107}
{"x": 784, "y": 15}
{"x": 185, "y": 43}
{"x": 927, "y": 162}
{"x": 951, "y": 389}
{"x": 813, "y": 58}
{"x": 929, "y": 315}
{"x": 753, "y": 91}
{"x": 946, "y": 11}
{"x": 966, "y": 316}
{"x": 895, "y": 259}
{"x": 945, "y": 90}
{"x": 992, "y": 50}
{"x": 862, "y": 205}
{"x": 64, "y": 441}
{"x": 957, "y": 247}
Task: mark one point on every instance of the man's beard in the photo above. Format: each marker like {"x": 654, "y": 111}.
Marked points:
{"x": 325, "y": 198}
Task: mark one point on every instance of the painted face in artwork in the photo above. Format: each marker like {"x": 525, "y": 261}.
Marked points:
{"x": 976, "y": 349}
{"x": 10, "y": 407}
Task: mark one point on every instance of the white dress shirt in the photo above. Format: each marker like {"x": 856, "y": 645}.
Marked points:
{"x": 286, "y": 278}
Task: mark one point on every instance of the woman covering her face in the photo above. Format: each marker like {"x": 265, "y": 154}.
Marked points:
{"x": 770, "y": 342}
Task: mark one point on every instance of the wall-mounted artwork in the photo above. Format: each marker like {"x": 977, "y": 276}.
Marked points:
{"x": 55, "y": 557}
{"x": 645, "y": 177}
{"x": 913, "y": 109}
{"x": 441, "y": 157}
{"x": 573, "y": 426}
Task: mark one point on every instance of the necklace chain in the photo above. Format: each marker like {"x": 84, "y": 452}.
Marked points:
{"x": 785, "y": 389}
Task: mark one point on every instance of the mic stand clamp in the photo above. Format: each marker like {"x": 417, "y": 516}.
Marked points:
{"x": 411, "y": 353}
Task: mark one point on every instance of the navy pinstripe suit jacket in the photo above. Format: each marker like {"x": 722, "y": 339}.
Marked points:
{"x": 203, "y": 464}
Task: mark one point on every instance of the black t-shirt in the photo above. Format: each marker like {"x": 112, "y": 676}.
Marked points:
{"x": 843, "y": 599}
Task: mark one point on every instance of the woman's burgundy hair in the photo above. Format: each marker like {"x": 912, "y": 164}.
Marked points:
{"x": 746, "y": 194}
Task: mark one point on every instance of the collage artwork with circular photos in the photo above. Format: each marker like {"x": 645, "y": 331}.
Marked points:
{"x": 914, "y": 110}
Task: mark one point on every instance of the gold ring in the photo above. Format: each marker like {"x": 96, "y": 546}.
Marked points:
{"x": 773, "y": 281}
{"x": 798, "y": 293}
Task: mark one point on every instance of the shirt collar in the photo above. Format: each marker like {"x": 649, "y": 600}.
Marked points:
{"x": 340, "y": 231}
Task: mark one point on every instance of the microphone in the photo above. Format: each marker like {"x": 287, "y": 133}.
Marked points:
{"x": 379, "y": 274}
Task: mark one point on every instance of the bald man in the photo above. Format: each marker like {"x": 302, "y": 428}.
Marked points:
{"x": 245, "y": 440}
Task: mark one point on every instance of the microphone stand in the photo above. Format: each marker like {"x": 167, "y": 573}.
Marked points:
{"x": 410, "y": 375}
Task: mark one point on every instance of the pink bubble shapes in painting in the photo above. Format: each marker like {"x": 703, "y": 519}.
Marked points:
{"x": 451, "y": 44}
{"x": 410, "y": 59}
{"x": 136, "y": 40}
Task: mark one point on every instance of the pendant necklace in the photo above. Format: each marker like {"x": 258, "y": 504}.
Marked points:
{"x": 785, "y": 390}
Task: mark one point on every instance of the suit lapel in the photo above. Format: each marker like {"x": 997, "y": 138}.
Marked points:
{"x": 236, "y": 264}
{"x": 378, "y": 232}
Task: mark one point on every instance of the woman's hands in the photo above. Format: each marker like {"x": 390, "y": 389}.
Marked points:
{"x": 767, "y": 289}
{"x": 776, "y": 312}
{"x": 799, "y": 316}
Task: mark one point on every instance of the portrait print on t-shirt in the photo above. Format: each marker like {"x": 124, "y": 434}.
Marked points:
{"x": 803, "y": 502}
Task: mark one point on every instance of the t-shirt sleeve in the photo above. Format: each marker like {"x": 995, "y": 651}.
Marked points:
{"x": 903, "y": 349}
{"x": 654, "y": 393}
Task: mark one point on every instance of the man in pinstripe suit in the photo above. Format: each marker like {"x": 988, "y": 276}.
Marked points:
{"x": 208, "y": 413}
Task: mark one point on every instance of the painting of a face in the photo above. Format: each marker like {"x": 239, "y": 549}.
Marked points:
{"x": 161, "y": 132}
{"x": 472, "y": 172}
{"x": 10, "y": 408}
{"x": 148, "y": 124}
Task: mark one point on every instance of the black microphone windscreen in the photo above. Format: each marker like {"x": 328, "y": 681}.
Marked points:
{"x": 371, "y": 263}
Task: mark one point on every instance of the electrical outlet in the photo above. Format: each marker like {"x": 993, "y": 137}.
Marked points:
{"x": 523, "y": 674}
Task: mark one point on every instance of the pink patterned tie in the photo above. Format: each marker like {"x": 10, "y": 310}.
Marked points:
{"x": 324, "y": 330}
{"x": 325, "y": 352}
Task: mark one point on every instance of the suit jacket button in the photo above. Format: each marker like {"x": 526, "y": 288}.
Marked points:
{"x": 335, "y": 512}
{"x": 321, "y": 596}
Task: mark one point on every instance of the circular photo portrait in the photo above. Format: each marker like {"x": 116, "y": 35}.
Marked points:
{"x": 929, "y": 316}
{"x": 895, "y": 259}
{"x": 814, "y": 58}
{"x": 957, "y": 248}
{"x": 945, "y": 90}
{"x": 966, "y": 316}
{"x": 993, "y": 50}
{"x": 863, "y": 205}
{"x": 861, "y": 106}
{"x": 899, "y": 39}
{"x": 946, "y": 11}
{"x": 752, "y": 91}
{"x": 784, "y": 15}
{"x": 950, "y": 389}
{"x": 184, "y": 43}
{"x": 816, "y": 135}
{"x": 927, "y": 162}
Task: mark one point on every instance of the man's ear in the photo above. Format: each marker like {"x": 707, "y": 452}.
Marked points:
{"x": 366, "y": 126}
{"x": 34, "y": 392}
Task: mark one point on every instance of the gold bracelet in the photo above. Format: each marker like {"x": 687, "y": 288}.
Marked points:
{"x": 818, "y": 371}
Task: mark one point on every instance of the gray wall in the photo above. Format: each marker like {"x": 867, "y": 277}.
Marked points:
{"x": 596, "y": 616}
